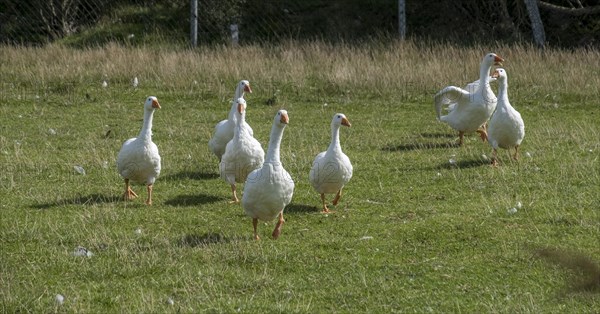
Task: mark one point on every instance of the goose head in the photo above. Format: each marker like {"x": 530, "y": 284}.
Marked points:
{"x": 340, "y": 119}
{"x": 241, "y": 105}
{"x": 500, "y": 74}
{"x": 243, "y": 87}
{"x": 151, "y": 103}
{"x": 492, "y": 59}
{"x": 281, "y": 118}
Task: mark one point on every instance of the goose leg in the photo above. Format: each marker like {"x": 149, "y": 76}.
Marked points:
{"x": 337, "y": 197}
{"x": 277, "y": 230}
{"x": 149, "y": 200}
{"x": 516, "y": 156}
{"x": 234, "y": 198}
{"x": 254, "y": 224}
{"x": 482, "y": 133}
{"x": 129, "y": 194}
{"x": 325, "y": 209}
{"x": 494, "y": 158}
{"x": 461, "y": 135}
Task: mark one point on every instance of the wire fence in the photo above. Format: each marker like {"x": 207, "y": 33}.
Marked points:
{"x": 93, "y": 22}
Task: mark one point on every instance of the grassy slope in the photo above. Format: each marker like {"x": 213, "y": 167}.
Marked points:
{"x": 442, "y": 237}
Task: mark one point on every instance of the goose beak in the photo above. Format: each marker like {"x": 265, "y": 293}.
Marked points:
{"x": 498, "y": 61}
{"x": 247, "y": 88}
{"x": 284, "y": 119}
{"x": 240, "y": 108}
{"x": 495, "y": 74}
{"x": 345, "y": 122}
{"x": 155, "y": 104}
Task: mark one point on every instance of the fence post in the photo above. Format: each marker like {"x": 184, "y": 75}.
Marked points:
{"x": 194, "y": 23}
{"x": 402, "y": 19}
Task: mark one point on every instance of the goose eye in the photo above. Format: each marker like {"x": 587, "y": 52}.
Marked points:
{"x": 339, "y": 117}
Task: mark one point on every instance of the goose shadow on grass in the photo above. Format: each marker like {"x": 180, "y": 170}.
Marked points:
{"x": 417, "y": 145}
{"x": 197, "y": 240}
{"x": 464, "y": 164}
{"x": 191, "y": 175}
{"x": 300, "y": 208}
{"x": 193, "y": 199}
{"x": 91, "y": 199}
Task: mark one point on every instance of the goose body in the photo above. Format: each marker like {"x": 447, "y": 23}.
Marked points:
{"x": 506, "y": 128}
{"x": 224, "y": 130}
{"x": 332, "y": 169}
{"x": 469, "y": 108}
{"x": 270, "y": 188}
{"x": 242, "y": 154}
{"x": 139, "y": 160}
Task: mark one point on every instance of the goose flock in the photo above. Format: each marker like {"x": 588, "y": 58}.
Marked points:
{"x": 268, "y": 187}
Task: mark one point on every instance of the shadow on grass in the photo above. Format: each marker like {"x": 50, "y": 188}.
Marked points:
{"x": 193, "y": 199}
{"x": 196, "y": 240}
{"x": 191, "y": 175}
{"x": 91, "y": 199}
{"x": 438, "y": 135}
{"x": 300, "y": 208}
{"x": 417, "y": 146}
{"x": 464, "y": 164}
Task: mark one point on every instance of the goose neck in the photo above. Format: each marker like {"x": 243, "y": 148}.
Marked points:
{"x": 146, "y": 131}
{"x": 335, "y": 139}
{"x": 273, "y": 153}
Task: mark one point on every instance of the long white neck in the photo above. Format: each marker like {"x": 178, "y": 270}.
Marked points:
{"x": 146, "y": 131}
{"x": 503, "y": 93}
{"x": 239, "y": 124}
{"x": 239, "y": 92}
{"x": 274, "y": 144}
{"x": 233, "y": 111}
{"x": 484, "y": 75}
{"x": 335, "y": 139}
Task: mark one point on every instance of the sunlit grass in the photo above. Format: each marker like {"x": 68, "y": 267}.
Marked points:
{"x": 413, "y": 232}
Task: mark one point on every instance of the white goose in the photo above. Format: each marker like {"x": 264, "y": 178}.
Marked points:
{"x": 243, "y": 153}
{"x": 270, "y": 188}
{"x": 506, "y": 128}
{"x": 469, "y": 109}
{"x": 138, "y": 159}
{"x": 224, "y": 129}
{"x": 332, "y": 169}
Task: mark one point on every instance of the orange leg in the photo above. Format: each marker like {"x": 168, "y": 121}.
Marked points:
{"x": 516, "y": 156}
{"x": 129, "y": 194}
{"x": 254, "y": 224}
{"x": 277, "y": 230}
{"x": 234, "y": 198}
{"x": 337, "y": 197}
{"x": 325, "y": 209}
{"x": 149, "y": 200}
{"x": 482, "y": 133}
{"x": 461, "y": 136}
{"x": 494, "y": 158}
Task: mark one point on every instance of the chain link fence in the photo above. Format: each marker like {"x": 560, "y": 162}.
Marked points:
{"x": 94, "y": 22}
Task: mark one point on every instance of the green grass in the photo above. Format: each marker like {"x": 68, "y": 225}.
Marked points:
{"x": 442, "y": 237}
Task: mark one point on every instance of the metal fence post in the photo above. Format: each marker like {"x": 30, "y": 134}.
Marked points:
{"x": 402, "y": 19}
{"x": 194, "y": 23}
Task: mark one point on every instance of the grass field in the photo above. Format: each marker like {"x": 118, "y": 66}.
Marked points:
{"x": 413, "y": 232}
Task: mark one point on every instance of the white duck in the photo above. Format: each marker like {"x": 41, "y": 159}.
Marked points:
{"x": 506, "y": 128}
{"x": 224, "y": 129}
{"x": 270, "y": 188}
{"x": 138, "y": 159}
{"x": 243, "y": 153}
{"x": 332, "y": 169}
{"x": 469, "y": 109}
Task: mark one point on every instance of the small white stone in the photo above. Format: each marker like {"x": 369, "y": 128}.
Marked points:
{"x": 528, "y": 154}
{"x": 519, "y": 205}
{"x": 60, "y": 299}
{"x": 138, "y": 231}
{"x": 105, "y": 164}
{"x": 366, "y": 238}
{"x": 130, "y": 36}
{"x": 104, "y": 84}
{"x": 81, "y": 251}
{"x": 512, "y": 211}
{"x": 135, "y": 82}
{"x": 325, "y": 105}
{"x": 452, "y": 161}
{"x": 438, "y": 174}
{"x": 484, "y": 157}
{"x": 51, "y": 131}
{"x": 79, "y": 169}
{"x": 170, "y": 301}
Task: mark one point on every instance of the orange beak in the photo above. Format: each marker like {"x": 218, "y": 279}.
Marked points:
{"x": 346, "y": 122}
{"x": 155, "y": 104}
{"x": 284, "y": 119}
{"x": 495, "y": 74}
{"x": 240, "y": 108}
{"x": 498, "y": 61}
{"x": 247, "y": 88}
